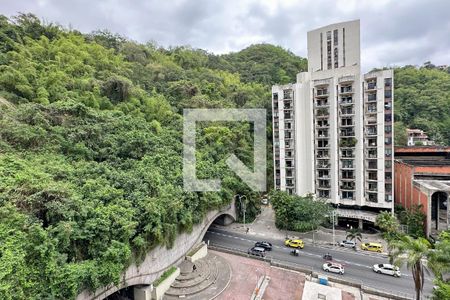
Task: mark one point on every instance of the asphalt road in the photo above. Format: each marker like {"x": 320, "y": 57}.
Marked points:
{"x": 358, "y": 265}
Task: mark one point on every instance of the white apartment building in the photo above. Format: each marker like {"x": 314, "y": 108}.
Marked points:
{"x": 333, "y": 128}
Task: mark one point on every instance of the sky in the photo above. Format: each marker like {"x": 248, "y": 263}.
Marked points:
{"x": 393, "y": 32}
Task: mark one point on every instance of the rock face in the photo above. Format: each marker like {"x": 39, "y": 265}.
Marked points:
{"x": 206, "y": 280}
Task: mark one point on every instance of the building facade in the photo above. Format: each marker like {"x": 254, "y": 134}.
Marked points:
{"x": 333, "y": 128}
{"x": 422, "y": 178}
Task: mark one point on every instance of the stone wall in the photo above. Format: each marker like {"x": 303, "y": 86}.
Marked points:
{"x": 160, "y": 258}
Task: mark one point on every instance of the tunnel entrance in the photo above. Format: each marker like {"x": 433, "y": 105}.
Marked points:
{"x": 123, "y": 294}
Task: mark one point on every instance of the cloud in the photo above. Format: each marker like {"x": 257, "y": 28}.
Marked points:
{"x": 392, "y": 32}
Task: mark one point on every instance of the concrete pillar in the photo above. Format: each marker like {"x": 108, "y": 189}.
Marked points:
{"x": 360, "y": 224}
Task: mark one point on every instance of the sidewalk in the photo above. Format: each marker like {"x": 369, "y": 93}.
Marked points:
{"x": 264, "y": 227}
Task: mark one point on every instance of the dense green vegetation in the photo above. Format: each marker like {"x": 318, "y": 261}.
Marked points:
{"x": 297, "y": 213}
{"x": 91, "y": 151}
{"x": 422, "y": 100}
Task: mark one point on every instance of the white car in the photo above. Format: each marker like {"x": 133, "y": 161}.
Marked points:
{"x": 333, "y": 268}
{"x": 347, "y": 244}
{"x": 387, "y": 269}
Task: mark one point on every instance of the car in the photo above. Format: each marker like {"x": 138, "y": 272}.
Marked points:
{"x": 333, "y": 268}
{"x": 374, "y": 247}
{"x": 347, "y": 244}
{"x": 257, "y": 251}
{"x": 266, "y": 245}
{"x": 294, "y": 243}
{"x": 387, "y": 269}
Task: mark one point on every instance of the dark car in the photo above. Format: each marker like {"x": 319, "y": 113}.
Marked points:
{"x": 265, "y": 245}
{"x": 257, "y": 251}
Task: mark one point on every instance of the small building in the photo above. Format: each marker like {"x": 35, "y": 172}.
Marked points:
{"x": 422, "y": 176}
{"x": 417, "y": 137}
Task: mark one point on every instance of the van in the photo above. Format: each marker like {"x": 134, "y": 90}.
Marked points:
{"x": 257, "y": 251}
{"x": 374, "y": 247}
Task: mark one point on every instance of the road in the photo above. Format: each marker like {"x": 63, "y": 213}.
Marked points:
{"x": 358, "y": 265}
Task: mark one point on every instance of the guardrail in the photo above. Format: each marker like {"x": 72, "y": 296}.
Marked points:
{"x": 310, "y": 272}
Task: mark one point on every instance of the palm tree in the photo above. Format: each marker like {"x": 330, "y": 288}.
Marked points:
{"x": 354, "y": 233}
{"x": 412, "y": 251}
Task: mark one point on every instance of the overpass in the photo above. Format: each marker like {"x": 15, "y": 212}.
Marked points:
{"x": 161, "y": 258}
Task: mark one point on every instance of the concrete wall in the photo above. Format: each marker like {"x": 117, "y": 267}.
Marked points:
{"x": 143, "y": 292}
{"x": 200, "y": 252}
{"x": 160, "y": 258}
{"x": 159, "y": 291}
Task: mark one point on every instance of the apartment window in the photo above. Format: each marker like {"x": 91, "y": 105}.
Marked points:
{"x": 346, "y": 89}
{"x": 277, "y": 182}
{"x": 372, "y": 84}
{"x": 287, "y": 94}
{"x": 275, "y": 124}
{"x": 388, "y": 140}
{"x": 346, "y": 122}
{"x": 388, "y": 128}
{"x": 388, "y": 198}
{"x": 289, "y": 173}
{"x": 347, "y": 164}
{"x": 277, "y": 163}
{"x": 387, "y": 105}
{"x": 388, "y": 118}
{"x": 388, "y": 94}
{"x": 347, "y": 153}
{"x": 388, "y": 188}
{"x": 275, "y": 96}
{"x": 343, "y": 45}
{"x": 277, "y": 172}
{"x": 323, "y": 144}
{"x": 335, "y": 37}
{"x": 288, "y": 125}
{"x": 275, "y": 106}
{"x": 288, "y": 154}
{"x": 329, "y": 54}
{"x": 372, "y": 153}
{"x": 388, "y": 152}
{"x": 328, "y": 35}
{"x": 347, "y": 195}
{"x": 388, "y": 82}
{"x": 321, "y": 51}
{"x": 388, "y": 175}
{"x": 336, "y": 60}
{"x": 388, "y": 164}
{"x": 373, "y": 176}
{"x": 372, "y": 108}
{"x": 372, "y": 142}
{"x": 287, "y": 115}
{"x": 372, "y": 97}
{"x": 346, "y": 100}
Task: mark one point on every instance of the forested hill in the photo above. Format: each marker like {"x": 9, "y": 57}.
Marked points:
{"x": 91, "y": 147}
{"x": 422, "y": 100}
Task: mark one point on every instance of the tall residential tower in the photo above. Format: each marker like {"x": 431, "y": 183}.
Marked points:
{"x": 333, "y": 128}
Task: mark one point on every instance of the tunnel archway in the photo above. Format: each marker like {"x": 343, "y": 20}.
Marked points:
{"x": 439, "y": 211}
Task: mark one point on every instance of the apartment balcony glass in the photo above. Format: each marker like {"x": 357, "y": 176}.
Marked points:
{"x": 322, "y": 112}
{"x": 321, "y": 154}
{"x": 372, "y": 165}
{"x": 372, "y": 187}
{"x": 322, "y": 103}
{"x": 323, "y": 193}
{"x": 371, "y": 143}
{"x": 372, "y": 176}
{"x": 371, "y": 130}
{"x": 372, "y": 97}
{"x": 347, "y": 175}
{"x": 324, "y": 175}
{"x": 372, "y": 197}
{"x": 322, "y": 124}
{"x": 345, "y": 195}
{"x": 287, "y": 94}
{"x": 290, "y": 164}
{"x": 347, "y": 133}
{"x": 371, "y": 85}
{"x": 350, "y": 186}
{"x": 321, "y": 165}
{"x": 346, "y": 89}
{"x": 347, "y": 111}
{"x": 323, "y": 144}
{"x": 323, "y": 92}
{"x": 346, "y": 100}
{"x": 372, "y": 153}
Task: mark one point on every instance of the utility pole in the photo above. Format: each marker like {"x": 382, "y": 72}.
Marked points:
{"x": 334, "y": 236}
{"x": 243, "y": 206}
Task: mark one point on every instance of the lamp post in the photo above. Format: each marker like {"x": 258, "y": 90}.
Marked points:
{"x": 243, "y": 206}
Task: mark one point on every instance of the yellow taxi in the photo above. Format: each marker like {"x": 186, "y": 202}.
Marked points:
{"x": 374, "y": 247}
{"x": 294, "y": 243}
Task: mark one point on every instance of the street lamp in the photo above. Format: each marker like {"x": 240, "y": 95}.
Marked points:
{"x": 242, "y": 205}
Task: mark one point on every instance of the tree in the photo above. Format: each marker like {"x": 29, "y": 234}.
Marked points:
{"x": 387, "y": 223}
{"x": 413, "y": 252}
{"x": 297, "y": 213}
{"x": 354, "y": 233}
{"x": 439, "y": 263}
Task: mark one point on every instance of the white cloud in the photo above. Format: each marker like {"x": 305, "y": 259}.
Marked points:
{"x": 392, "y": 32}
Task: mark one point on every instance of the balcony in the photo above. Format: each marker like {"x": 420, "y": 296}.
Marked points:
{"x": 323, "y": 177}
{"x": 371, "y": 86}
{"x": 347, "y": 112}
{"x": 371, "y": 97}
{"x": 345, "y": 90}
{"x": 322, "y": 93}
{"x": 346, "y": 178}
{"x": 322, "y": 125}
{"x": 347, "y": 187}
{"x": 346, "y": 101}
{"x": 322, "y": 112}
{"x": 348, "y": 167}
{"x": 323, "y": 166}
{"x": 322, "y": 104}
{"x": 347, "y": 134}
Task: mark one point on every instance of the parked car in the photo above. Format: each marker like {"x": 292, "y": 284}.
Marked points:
{"x": 347, "y": 244}
{"x": 257, "y": 251}
{"x": 295, "y": 243}
{"x": 374, "y": 247}
{"x": 387, "y": 269}
{"x": 266, "y": 245}
{"x": 333, "y": 268}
